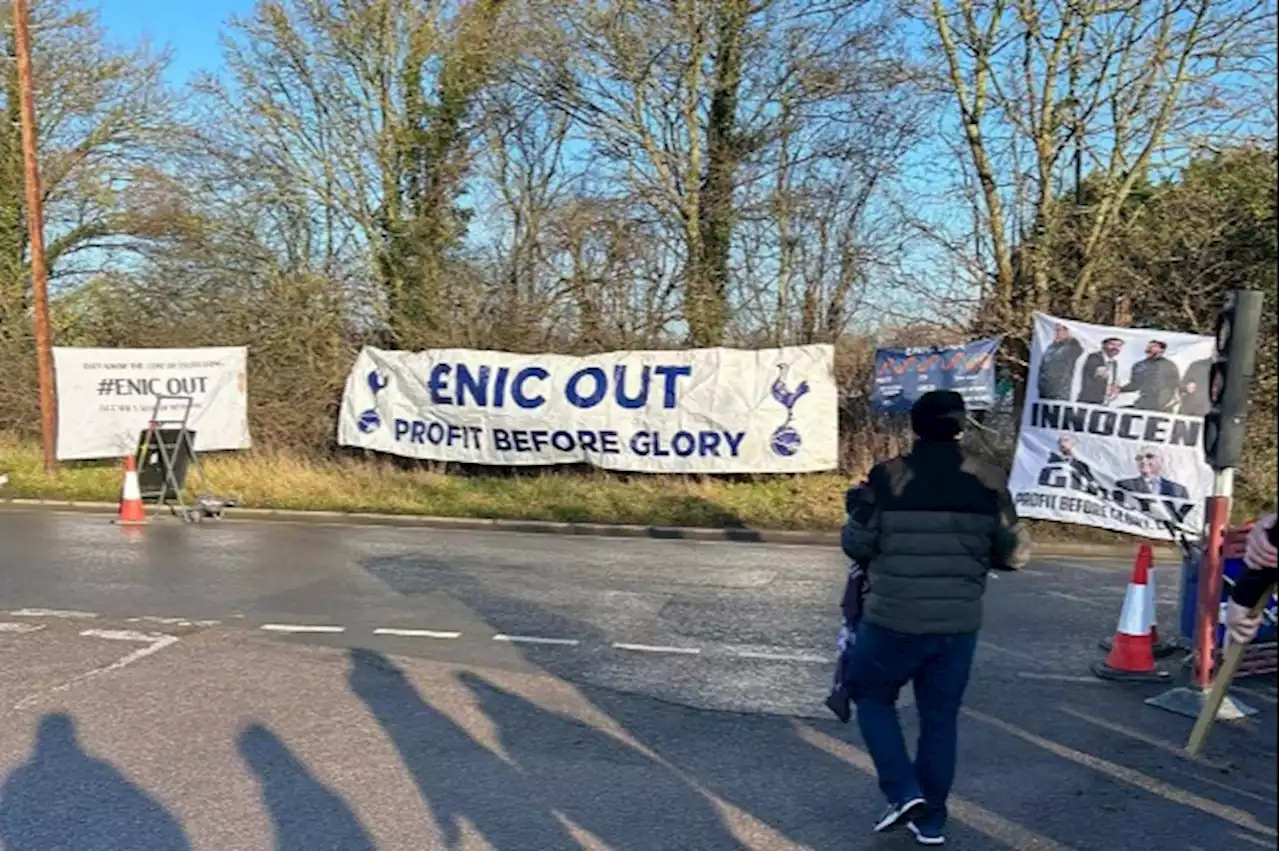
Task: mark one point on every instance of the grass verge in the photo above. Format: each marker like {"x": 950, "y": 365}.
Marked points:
{"x": 813, "y": 502}
{"x": 270, "y": 480}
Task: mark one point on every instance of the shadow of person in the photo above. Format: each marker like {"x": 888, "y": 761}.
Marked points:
{"x": 459, "y": 778}
{"x": 63, "y": 799}
{"x": 562, "y": 754}
{"x": 307, "y": 815}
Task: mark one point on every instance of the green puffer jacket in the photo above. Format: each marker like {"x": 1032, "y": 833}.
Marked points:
{"x": 929, "y": 525}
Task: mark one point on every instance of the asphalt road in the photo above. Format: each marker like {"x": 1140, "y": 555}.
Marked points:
{"x": 256, "y": 686}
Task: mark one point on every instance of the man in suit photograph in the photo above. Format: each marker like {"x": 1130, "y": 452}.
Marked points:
{"x": 1058, "y": 365}
{"x": 1101, "y": 373}
{"x": 1154, "y": 379}
{"x": 1150, "y": 478}
{"x": 1082, "y": 478}
{"x": 1195, "y": 389}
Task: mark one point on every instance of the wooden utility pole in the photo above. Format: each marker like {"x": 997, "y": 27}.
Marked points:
{"x": 35, "y": 227}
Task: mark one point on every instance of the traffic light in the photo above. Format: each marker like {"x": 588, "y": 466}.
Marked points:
{"x": 1230, "y": 377}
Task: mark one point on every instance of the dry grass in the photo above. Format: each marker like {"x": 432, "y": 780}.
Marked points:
{"x": 265, "y": 480}
{"x": 261, "y": 479}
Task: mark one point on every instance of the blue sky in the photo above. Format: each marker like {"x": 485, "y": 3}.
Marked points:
{"x": 189, "y": 27}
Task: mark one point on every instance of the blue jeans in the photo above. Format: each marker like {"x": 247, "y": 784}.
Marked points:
{"x": 881, "y": 662}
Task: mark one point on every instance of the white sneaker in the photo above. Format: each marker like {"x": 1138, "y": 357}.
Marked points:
{"x": 925, "y": 837}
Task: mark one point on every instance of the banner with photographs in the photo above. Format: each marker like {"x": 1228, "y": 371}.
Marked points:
{"x": 1112, "y": 429}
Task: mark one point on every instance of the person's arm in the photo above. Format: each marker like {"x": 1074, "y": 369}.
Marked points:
{"x": 1252, "y": 585}
{"x": 1011, "y": 549}
{"x": 862, "y": 528}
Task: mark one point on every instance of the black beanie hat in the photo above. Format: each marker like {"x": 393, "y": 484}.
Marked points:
{"x": 938, "y": 415}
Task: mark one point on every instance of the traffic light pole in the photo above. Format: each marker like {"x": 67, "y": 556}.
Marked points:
{"x": 1230, "y": 376}
{"x": 35, "y": 227}
{"x": 1217, "y": 512}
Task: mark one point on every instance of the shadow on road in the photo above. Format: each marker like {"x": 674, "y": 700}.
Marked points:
{"x": 63, "y": 799}
{"x": 1052, "y": 765}
{"x": 460, "y": 779}
{"x": 305, "y": 813}
{"x": 525, "y": 789}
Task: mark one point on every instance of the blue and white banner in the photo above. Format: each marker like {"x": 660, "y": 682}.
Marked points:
{"x": 904, "y": 375}
{"x": 699, "y": 411}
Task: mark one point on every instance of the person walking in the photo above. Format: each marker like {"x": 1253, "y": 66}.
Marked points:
{"x": 928, "y": 525}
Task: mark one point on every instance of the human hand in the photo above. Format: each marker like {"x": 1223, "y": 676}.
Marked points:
{"x": 1242, "y": 624}
{"x": 1259, "y": 554}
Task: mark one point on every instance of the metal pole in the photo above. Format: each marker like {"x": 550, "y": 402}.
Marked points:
{"x": 35, "y": 227}
{"x": 1217, "y": 514}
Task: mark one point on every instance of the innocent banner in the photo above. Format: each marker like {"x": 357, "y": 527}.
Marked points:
{"x": 1112, "y": 429}
{"x": 707, "y": 411}
{"x": 106, "y": 397}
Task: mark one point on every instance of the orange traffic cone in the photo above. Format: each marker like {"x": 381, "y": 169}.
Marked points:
{"x": 1161, "y": 650}
{"x": 1131, "y": 657}
{"x": 132, "y": 512}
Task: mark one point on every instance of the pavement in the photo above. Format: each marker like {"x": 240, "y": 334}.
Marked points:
{"x": 310, "y": 687}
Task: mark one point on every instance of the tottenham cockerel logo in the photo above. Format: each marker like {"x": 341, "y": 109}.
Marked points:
{"x": 785, "y": 440}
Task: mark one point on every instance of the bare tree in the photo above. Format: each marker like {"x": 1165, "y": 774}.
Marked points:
{"x": 105, "y": 119}
{"x": 1046, "y": 92}
{"x": 364, "y": 115}
{"x": 681, "y": 104}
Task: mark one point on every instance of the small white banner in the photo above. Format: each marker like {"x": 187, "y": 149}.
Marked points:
{"x": 703, "y": 411}
{"x": 1113, "y": 429}
{"x": 106, "y": 397}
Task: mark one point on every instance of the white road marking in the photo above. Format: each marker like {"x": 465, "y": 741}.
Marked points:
{"x": 535, "y": 639}
{"x": 171, "y": 621}
{"x": 1017, "y": 654}
{"x": 1058, "y": 678}
{"x": 51, "y": 613}
{"x": 415, "y": 633}
{"x": 123, "y": 635}
{"x": 784, "y": 657}
{"x": 157, "y": 643}
{"x": 656, "y": 648}
{"x": 298, "y": 627}
{"x": 20, "y": 628}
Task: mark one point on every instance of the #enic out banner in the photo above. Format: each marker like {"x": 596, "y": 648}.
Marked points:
{"x": 1113, "y": 430}
{"x": 106, "y": 397}
{"x": 904, "y": 375}
{"x": 705, "y": 411}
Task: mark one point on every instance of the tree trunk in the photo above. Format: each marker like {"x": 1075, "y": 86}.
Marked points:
{"x": 13, "y": 240}
{"x": 723, "y": 156}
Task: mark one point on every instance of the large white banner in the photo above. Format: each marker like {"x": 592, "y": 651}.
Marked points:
{"x": 1112, "y": 429}
{"x": 106, "y": 397}
{"x": 707, "y": 410}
